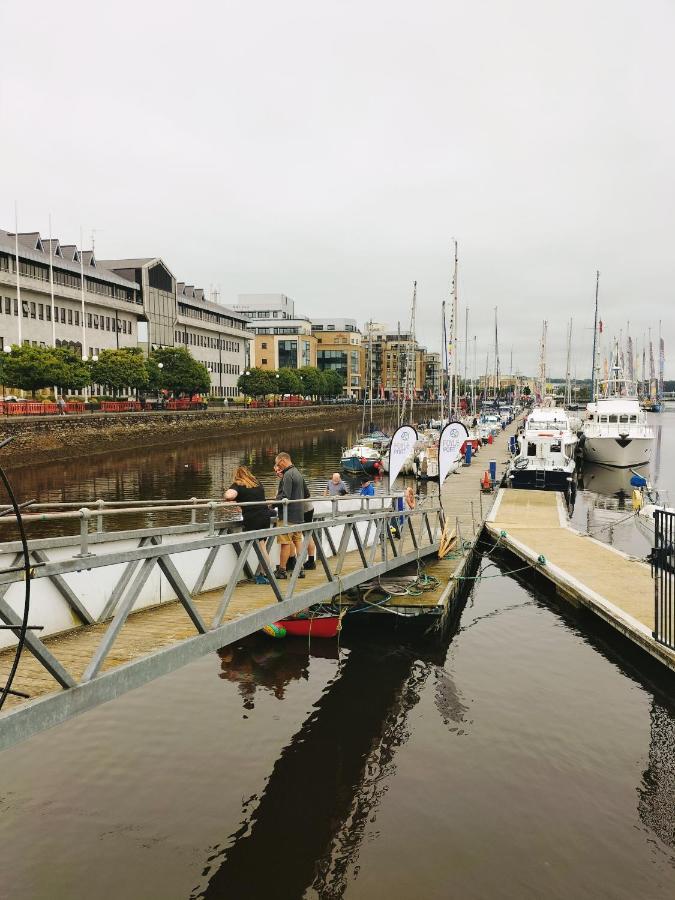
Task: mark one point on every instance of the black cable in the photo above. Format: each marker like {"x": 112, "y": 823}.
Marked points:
{"x": 6, "y": 690}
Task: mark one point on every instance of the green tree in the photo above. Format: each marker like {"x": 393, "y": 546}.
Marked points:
{"x": 333, "y": 383}
{"x": 119, "y": 369}
{"x": 180, "y": 373}
{"x": 526, "y": 391}
{"x": 34, "y": 368}
{"x": 257, "y": 383}
{"x": 311, "y": 380}
{"x": 288, "y": 382}
{"x": 71, "y": 372}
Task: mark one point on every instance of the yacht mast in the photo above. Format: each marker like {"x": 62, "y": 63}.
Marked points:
{"x": 568, "y": 374}
{"x": 595, "y": 340}
{"x": 542, "y": 362}
{"x": 662, "y": 362}
{"x": 443, "y": 358}
{"x": 452, "y": 394}
{"x": 496, "y": 358}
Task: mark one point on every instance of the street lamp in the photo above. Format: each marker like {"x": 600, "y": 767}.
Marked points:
{"x": 160, "y": 366}
{"x": 277, "y": 391}
{"x": 6, "y": 349}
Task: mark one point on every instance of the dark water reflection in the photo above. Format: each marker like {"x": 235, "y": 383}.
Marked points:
{"x": 528, "y": 754}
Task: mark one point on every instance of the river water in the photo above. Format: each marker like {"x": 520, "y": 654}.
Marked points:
{"x": 529, "y": 754}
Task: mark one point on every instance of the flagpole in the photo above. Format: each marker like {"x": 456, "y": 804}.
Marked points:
{"x": 51, "y": 281}
{"x": 16, "y": 264}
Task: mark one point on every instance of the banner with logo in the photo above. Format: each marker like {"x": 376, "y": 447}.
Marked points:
{"x": 449, "y": 447}
{"x": 401, "y": 447}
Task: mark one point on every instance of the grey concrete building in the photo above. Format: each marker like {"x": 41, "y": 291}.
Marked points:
{"x": 63, "y": 296}
{"x": 178, "y": 314}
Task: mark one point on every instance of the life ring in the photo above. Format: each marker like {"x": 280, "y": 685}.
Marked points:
{"x": 409, "y": 498}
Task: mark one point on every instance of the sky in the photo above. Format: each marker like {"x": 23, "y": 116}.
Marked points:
{"x": 333, "y": 151}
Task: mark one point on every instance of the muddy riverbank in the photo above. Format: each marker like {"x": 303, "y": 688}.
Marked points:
{"x": 42, "y": 439}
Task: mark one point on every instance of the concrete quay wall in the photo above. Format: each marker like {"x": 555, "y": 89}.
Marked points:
{"x": 44, "y": 438}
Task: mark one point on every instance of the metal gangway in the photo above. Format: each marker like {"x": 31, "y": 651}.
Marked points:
{"x": 139, "y": 590}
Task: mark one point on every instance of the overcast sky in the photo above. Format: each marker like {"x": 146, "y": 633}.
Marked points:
{"x": 331, "y": 151}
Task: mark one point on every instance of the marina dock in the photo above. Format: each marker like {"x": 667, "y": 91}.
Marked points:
{"x": 165, "y": 596}
{"x": 616, "y": 587}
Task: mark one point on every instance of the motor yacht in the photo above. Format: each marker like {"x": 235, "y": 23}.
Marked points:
{"x": 547, "y": 448}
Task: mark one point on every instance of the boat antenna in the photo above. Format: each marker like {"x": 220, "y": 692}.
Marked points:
{"x": 496, "y": 359}
{"x": 595, "y": 338}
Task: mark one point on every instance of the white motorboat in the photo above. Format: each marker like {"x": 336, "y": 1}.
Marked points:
{"x": 547, "y": 447}
{"x": 616, "y": 432}
{"x": 361, "y": 460}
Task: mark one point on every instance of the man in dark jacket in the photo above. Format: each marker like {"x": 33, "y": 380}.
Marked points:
{"x": 291, "y": 487}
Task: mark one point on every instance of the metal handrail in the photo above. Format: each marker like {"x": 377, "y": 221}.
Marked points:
{"x": 102, "y": 508}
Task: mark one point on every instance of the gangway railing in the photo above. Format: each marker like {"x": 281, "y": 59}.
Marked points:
{"x": 663, "y": 570}
{"x": 99, "y": 578}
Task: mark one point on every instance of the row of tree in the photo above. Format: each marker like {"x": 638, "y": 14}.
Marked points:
{"x": 308, "y": 381}
{"x": 172, "y": 369}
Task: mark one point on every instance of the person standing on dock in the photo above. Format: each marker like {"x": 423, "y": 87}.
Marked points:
{"x": 246, "y": 488}
{"x": 291, "y": 487}
{"x": 61, "y": 403}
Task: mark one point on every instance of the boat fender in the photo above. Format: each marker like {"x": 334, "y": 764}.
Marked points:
{"x": 541, "y": 559}
{"x": 275, "y": 630}
{"x": 638, "y": 499}
{"x": 486, "y": 481}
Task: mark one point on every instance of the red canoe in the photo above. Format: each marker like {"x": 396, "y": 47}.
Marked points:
{"x": 318, "y": 627}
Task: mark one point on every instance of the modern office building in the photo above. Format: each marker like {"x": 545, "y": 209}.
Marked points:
{"x": 63, "y": 296}
{"x": 282, "y": 338}
{"x": 179, "y": 314}
{"x": 394, "y": 362}
{"x": 339, "y": 347}
{"x": 432, "y": 375}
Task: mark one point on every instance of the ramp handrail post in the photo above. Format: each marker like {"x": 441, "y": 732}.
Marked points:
{"x": 285, "y": 512}
{"x": 99, "y": 518}
{"x": 85, "y": 515}
{"x": 212, "y": 517}
{"x": 193, "y": 513}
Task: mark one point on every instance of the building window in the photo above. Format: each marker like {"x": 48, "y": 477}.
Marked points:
{"x": 63, "y": 315}
{"x": 288, "y": 354}
{"x": 89, "y": 320}
{"x": 48, "y": 313}
{"x": 41, "y": 311}
{"x": 107, "y": 323}
{"x": 95, "y": 321}
{"x": 24, "y": 307}
{"x": 264, "y": 362}
{"x": 77, "y": 317}
{"x": 16, "y": 307}
{"x": 70, "y": 317}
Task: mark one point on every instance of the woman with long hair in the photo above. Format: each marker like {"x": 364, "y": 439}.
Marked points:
{"x": 246, "y": 488}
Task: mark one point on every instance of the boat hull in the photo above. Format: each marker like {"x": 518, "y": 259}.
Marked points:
{"x": 316, "y": 627}
{"x": 358, "y": 466}
{"x": 619, "y": 452}
{"x": 540, "y": 480}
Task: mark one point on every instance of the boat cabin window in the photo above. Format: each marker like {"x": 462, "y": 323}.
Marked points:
{"x": 623, "y": 419}
{"x": 531, "y": 449}
{"x": 555, "y": 446}
{"x": 633, "y": 418}
{"x": 613, "y": 419}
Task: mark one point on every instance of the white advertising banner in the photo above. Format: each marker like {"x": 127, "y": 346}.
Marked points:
{"x": 401, "y": 447}
{"x": 452, "y": 438}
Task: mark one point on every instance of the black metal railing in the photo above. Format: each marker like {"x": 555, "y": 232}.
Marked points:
{"x": 663, "y": 570}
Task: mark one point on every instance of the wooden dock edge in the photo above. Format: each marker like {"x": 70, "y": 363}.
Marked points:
{"x": 573, "y": 590}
